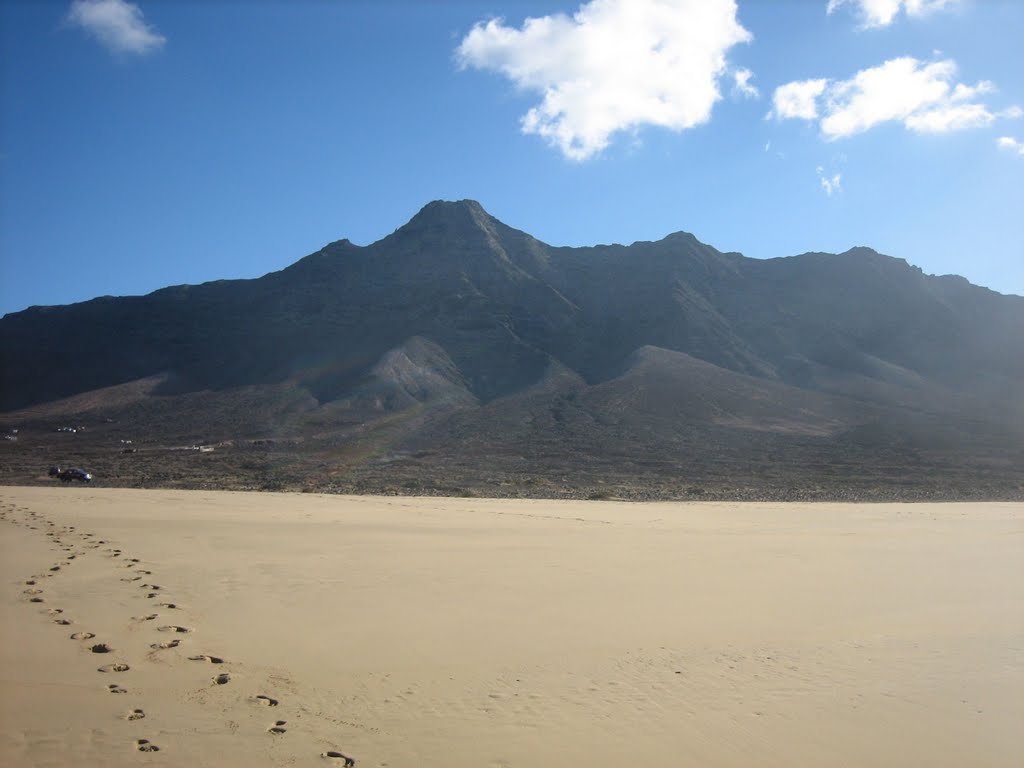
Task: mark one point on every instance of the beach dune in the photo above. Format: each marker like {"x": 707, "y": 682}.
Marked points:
{"x": 167, "y": 628}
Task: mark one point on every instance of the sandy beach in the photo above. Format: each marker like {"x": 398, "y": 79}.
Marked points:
{"x": 165, "y": 628}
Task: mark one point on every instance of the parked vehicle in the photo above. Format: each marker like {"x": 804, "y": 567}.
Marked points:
{"x": 70, "y": 474}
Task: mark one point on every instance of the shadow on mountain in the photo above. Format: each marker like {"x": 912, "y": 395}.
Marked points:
{"x": 461, "y": 354}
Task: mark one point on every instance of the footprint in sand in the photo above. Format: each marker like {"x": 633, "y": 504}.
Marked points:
{"x": 145, "y": 745}
{"x": 119, "y": 667}
{"x": 83, "y": 636}
{"x": 135, "y": 714}
{"x": 266, "y": 701}
{"x": 277, "y": 727}
{"x": 55, "y": 568}
{"x": 63, "y": 622}
{"x": 205, "y": 657}
{"x": 165, "y": 646}
{"x": 222, "y": 679}
{"x": 338, "y": 756}
{"x": 112, "y": 688}
{"x": 30, "y": 582}
{"x": 146, "y": 618}
{"x": 54, "y": 611}
{"x": 172, "y": 606}
{"x": 101, "y": 648}
{"x": 36, "y": 600}
{"x": 32, "y": 592}
{"x": 173, "y": 628}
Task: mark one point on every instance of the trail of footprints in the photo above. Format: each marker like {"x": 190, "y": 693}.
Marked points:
{"x": 73, "y": 544}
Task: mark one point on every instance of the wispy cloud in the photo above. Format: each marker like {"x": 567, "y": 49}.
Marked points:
{"x": 797, "y": 99}
{"x": 1011, "y": 144}
{"x": 613, "y": 66}
{"x": 921, "y": 95}
{"x": 828, "y": 183}
{"x": 882, "y": 13}
{"x": 742, "y": 85}
{"x": 117, "y": 24}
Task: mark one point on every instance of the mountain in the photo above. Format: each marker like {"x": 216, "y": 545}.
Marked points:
{"x": 460, "y": 355}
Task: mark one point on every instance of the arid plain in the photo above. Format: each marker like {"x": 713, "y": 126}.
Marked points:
{"x": 198, "y": 628}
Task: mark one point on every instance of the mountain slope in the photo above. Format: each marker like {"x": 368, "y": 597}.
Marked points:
{"x": 460, "y": 346}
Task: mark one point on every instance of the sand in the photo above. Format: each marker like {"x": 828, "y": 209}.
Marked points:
{"x": 465, "y": 632}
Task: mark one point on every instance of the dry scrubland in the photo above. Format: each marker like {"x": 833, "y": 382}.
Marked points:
{"x": 465, "y": 632}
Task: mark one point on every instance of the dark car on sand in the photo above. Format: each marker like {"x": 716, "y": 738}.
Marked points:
{"x": 71, "y": 473}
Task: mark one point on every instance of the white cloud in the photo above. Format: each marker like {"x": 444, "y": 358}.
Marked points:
{"x": 117, "y": 24}
{"x": 1011, "y": 144}
{"x": 920, "y": 95}
{"x": 949, "y": 118}
{"x": 742, "y": 86}
{"x": 797, "y": 99}
{"x": 614, "y": 65}
{"x": 882, "y": 13}
{"x": 828, "y": 183}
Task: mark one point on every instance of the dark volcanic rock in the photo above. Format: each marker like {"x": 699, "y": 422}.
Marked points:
{"x": 460, "y": 354}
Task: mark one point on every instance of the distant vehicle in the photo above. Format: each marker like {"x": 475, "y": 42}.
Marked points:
{"x": 71, "y": 473}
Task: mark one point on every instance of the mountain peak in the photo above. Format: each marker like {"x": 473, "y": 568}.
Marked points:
{"x": 862, "y": 251}
{"x": 442, "y": 206}
{"x": 449, "y": 212}
{"x": 444, "y": 221}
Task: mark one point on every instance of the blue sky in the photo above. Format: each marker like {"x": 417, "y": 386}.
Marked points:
{"x": 154, "y": 143}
